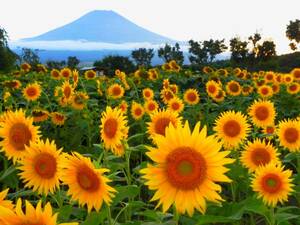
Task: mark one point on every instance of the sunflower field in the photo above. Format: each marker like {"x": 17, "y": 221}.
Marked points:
{"x": 160, "y": 146}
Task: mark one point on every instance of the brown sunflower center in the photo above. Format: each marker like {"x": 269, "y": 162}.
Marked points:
{"x": 191, "y": 96}
{"x": 261, "y": 113}
{"x": 169, "y": 95}
{"x": 151, "y": 107}
{"x": 116, "y": 91}
{"x": 87, "y": 179}
{"x": 260, "y": 156}
{"x": 31, "y": 91}
{"x": 234, "y": 87}
{"x": 138, "y": 111}
{"x": 161, "y": 124}
{"x": 270, "y": 130}
{"x": 175, "y": 106}
{"x": 232, "y": 128}
{"x": 45, "y": 165}
{"x": 67, "y": 91}
{"x": 291, "y": 135}
{"x": 271, "y": 183}
{"x": 293, "y": 87}
{"x": 110, "y": 127}
{"x": 147, "y": 94}
{"x": 91, "y": 74}
{"x": 265, "y": 91}
{"x": 66, "y": 74}
{"x": 185, "y": 168}
{"x": 19, "y": 136}
{"x": 212, "y": 89}
{"x": 59, "y": 117}
{"x": 55, "y": 74}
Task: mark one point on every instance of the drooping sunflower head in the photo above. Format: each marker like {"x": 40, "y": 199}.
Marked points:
{"x": 39, "y": 115}
{"x": 148, "y": 93}
{"x": 246, "y": 90}
{"x": 40, "y": 167}
{"x": 259, "y": 153}
{"x": 187, "y": 166}
{"x": 233, "y": 88}
{"x": 55, "y": 74}
{"x": 79, "y": 100}
{"x": 67, "y": 90}
{"x": 32, "y": 92}
{"x": 160, "y": 120}
{"x": 207, "y": 69}
{"x": 66, "y": 73}
{"x": 232, "y": 127}
{"x": 58, "y": 118}
{"x": 137, "y": 110}
{"x": 272, "y": 183}
{"x": 289, "y": 134}
{"x": 115, "y": 91}
{"x": 262, "y": 113}
{"x": 89, "y": 74}
{"x": 212, "y": 88}
{"x": 150, "y": 106}
{"x": 113, "y": 128}
{"x": 176, "y": 105}
{"x": 87, "y": 185}
{"x": 265, "y": 91}
{"x": 17, "y": 131}
{"x": 174, "y": 88}
{"x": 191, "y": 96}
{"x": 13, "y": 84}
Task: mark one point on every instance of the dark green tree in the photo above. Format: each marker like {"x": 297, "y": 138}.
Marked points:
{"x": 293, "y": 33}
{"x": 214, "y": 47}
{"x": 266, "y": 50}
{"x": 52, "y": 64}
{"x": 30, "y": 56}
{"x": 168, "y": 53}
{"x": 198, "y": 53}
{"x": 110, "y": 63}
{"x": 143, "y": 56}
{"x": 7, "y": 57}
{"x": 72, "y": 62}
{"x": 254, "y": 40}
{"x": 239, "y": 50}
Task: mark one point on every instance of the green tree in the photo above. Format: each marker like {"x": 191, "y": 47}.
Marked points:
{"x": 110, "y": 63}
{"x": 254, "y": 40}
{"x": 168, "y": 53}
{"x": 293, "y": 33}
{"x": 198, "y": 53}
{"x": 72, "y": 62}
{"x": 52, "y": 64}
{"x": 7, "y": 57}
{"x": 239, "y": 50}
{"x": 143, "y": 56}
{"x": 30, "y": 56}
{"x": 214, "y": 47}
{"x": 266, "y": 50}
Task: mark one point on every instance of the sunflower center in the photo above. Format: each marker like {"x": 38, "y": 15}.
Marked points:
{"x": 45, "y": 165}
{"x": 185, "y": 168}
{"x": 169, "y": 95}
{"x": 270, "y": 130}
{"x": 138, "y": 112}
{"x": 291, "y": 134}
{"x": 151, "y": 106}
{"x": 260, "y": 156}
{"x": 110, "y": 127}
{"x": 232, "y": 128}
{"x": 147, "y": 94}
{"x": 161, "y": 124}
{"x": 90, "y": 74}
{"x": 191, "y": 96}
{"x": 67, "y": 91}
{"x": 31, "y": 91}
{"x": 265, "y": 91}
{"x": 175, "y": 105}
{"x": 262, "y": 113}
{"x": 87, "y": 179}
{"x": 293, "y": 87}
{"x": 19, "y": 136}
{"x": 55, "y": 74}
{"x": 116, "y": 91}
{"x": 212, "y": 89}
{"x": 234, "y": 87}
{"x": 271, "y": 183}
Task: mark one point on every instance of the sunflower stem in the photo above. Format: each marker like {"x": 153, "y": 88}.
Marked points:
{"x": 109, "y": 215}
{"x": 175, "y": 216}
{"x": 272, "y": 217}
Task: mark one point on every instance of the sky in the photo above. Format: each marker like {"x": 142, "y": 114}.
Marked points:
{"x": 181, "y": 20}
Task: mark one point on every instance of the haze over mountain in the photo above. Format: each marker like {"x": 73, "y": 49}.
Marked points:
{"x": 102, "y": 26}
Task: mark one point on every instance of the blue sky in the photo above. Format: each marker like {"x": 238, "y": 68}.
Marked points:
{"x": 177, "y": 19}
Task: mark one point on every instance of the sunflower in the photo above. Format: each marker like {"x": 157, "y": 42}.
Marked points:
{"x": 259, "y": 153}
{"x": 191, "y": 96}
{"x": 148, "y": 93}
{"x": 270, "y": 131}
{"x": 75, "y": 78}
{"x": 14, "y": 84}
{"x": 220, "y": 96}
{"x": 32, "y": 92}
{"x": 137, "y": 110}
{"x": 113, "y": 128}
{"x": 273, "y": 184}
{"x": 55, "y": 74}
{"x": 293, "y": 88}
{"x": 86, "y": 184}
{"x": 212, "y": 88}
{"x": 89, "y": 74}
{"x": 233, "y": 88}
{"x": 39, "y": 115}
{"x": 79, "y": 100}
{"x": 153, "y": 74}
{"x": 207, "y": 70}
{"x": 40, "y": 167}
{"x": 222, "y": 72}
{"x": 17, "y": 131}
{"x": 279, "y": 78}
{"x": 150, "y": 106}
{"x": 187, "y": 165}
{"x": 67, "y": 90}
{"x": 289, "y": 134}
{"x": 166, "y": 83}
{"x": 174, "y": 66}
{"x": 160, "y": 120}
{"x": 288, "y": 78}
{"x": 174, "y": 88}
{"x": 115, "y": 91}
{"x": 265, "y": 91}
{"x": 66, "y": 73}
{"x": 123, "y": 106}
{"x": 246, "y": 90}
{"x": 275, "y": 88}
{"x": 176, "y": 105}
{"x": 269, "y": 77}
{"x": 58, "y": 118}
{"x": 262, "y": 113}
{"x": 3, "y": 202}
{"x": 26, "y": 67}
{"x": 232, "y": 128}
{"x": 30, "y": 216}
{"x": 296, "y": 74}
{"x": 166, "y": 95}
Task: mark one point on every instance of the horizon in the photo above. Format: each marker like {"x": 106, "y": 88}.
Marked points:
{"x": 227, "y": 26}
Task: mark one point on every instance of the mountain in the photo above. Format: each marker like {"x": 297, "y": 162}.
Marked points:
{"x": 102, "y": 26}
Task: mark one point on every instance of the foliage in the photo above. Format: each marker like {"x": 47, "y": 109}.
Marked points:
{"x": 143, "y": 56}
{"x": 293, "y": 33}
{"x": 7, "y": 57}
{"x": 168, "y": 53}
{"x": 52, "y": 64}
{"x": 30, "y": 56}
{"x": 72, "y": 62}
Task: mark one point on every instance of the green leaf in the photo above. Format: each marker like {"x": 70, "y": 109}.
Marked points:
{"x": 123, "y": 192}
